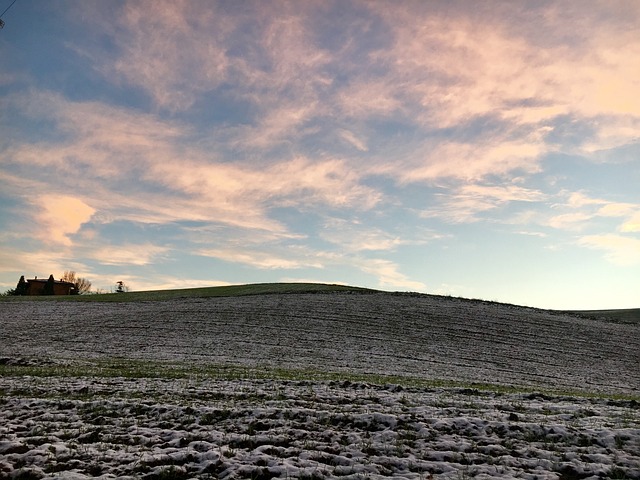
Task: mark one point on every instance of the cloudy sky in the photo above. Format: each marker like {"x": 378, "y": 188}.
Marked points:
{"x": 479, "y": 149}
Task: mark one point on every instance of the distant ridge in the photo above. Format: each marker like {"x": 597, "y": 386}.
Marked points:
{"x": 205, "y": 292}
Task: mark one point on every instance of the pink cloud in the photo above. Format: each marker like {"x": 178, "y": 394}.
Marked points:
{"x": 115, "y": 147}
{"x": 60, "y": 217}
{"x": 174, "y": 50}
{"x": 470, "y": 161}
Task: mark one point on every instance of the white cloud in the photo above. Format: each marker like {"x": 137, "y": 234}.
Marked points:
{"x": 128, "y": 254}
{"x": 30, "y": 264}
{"x": 617, "y": 209}
{"x": 580, "y": 199}
{"x": 248, "y": 191}
{"x": 466, "y": 202}
{"x": 42, "y": 263}
{"x": 620, "y": 250}
{"x": 352, "y": 139}
{"x": 579, "y": 210}
{"x": 355, "y": 237}
{"x": 264, "y": 258}
{"x": 310, "y": 280}
{"x": 532, "y": 234}
{"x": 632, "y": 224}
{"x": 171, "y": 283}
{"x": 388, "y": 275}
{"x": 569, "y": 221}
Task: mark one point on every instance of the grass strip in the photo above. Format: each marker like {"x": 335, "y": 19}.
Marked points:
{"x": 137, "y": 369}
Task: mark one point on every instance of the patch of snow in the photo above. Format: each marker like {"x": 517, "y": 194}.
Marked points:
{"x": 286, "y": 429}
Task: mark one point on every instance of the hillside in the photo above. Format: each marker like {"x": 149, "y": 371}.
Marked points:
{"x": 200, "y": 292}
{"x": 335, "y": 329}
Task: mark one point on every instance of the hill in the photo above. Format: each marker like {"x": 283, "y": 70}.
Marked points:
{"x": 628, "y": 315}
{"x": 332, "y": 329}
{"x": 201, "y": 292}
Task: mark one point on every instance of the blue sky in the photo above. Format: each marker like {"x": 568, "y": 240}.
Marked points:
{"x": 478, "y": 149}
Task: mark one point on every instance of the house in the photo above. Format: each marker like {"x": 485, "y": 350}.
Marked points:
{"x": 36, "y": 286}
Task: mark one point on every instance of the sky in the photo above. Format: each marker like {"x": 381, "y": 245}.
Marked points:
{"x": 478, "y": 149}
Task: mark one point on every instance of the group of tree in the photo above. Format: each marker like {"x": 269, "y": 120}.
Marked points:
{"x": 80, "y": 285}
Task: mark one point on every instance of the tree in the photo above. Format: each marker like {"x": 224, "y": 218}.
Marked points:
{"x": 82, "y": 285}
{"x": 48, "y": 287}
{"x": 21, "y": 288}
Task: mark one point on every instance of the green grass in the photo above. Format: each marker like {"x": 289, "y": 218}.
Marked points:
{"x": 137, "y": 369}
{"x": 629, "y": 315}
{"x": 225, "y": 291}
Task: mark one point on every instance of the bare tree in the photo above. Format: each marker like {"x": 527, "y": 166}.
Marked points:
{"x": 82, "y": 285}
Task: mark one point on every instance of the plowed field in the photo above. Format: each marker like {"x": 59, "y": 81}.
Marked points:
{"x": 420, "y": 336}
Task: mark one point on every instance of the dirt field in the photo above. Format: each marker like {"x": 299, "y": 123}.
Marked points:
{"x": 121, "y": 390}
{"x": 419, "y": 336}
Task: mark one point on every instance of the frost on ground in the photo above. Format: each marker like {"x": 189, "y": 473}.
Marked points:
{"x": 197, "y": 426}
{"x": 63, "y": 427}
{"x": 409, "y": 335}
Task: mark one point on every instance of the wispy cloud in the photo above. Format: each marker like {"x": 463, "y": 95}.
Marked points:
{"x": 318, "y": 136}
{"x": 632, "y": 224}
{"x": 173, "y": 50}
{"x": 579, "y": 210}
{"x": 265, "y": 259}
{"x": 464, "y": 204}
{"x": 621, "y": 250}
{"x": 350, "y": 236}
{"x": 389, "y": 276}
{"x": 128, "y": 254}
{"x": 488, "y": 62}
{"x": 352, "y": 139}
{"x": 40, "y": 263}
{"x": 169, "y": 179}
{"x": 436, "y": 67}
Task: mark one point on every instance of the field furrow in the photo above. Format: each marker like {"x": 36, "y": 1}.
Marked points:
{"x": 410, "y": 335}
